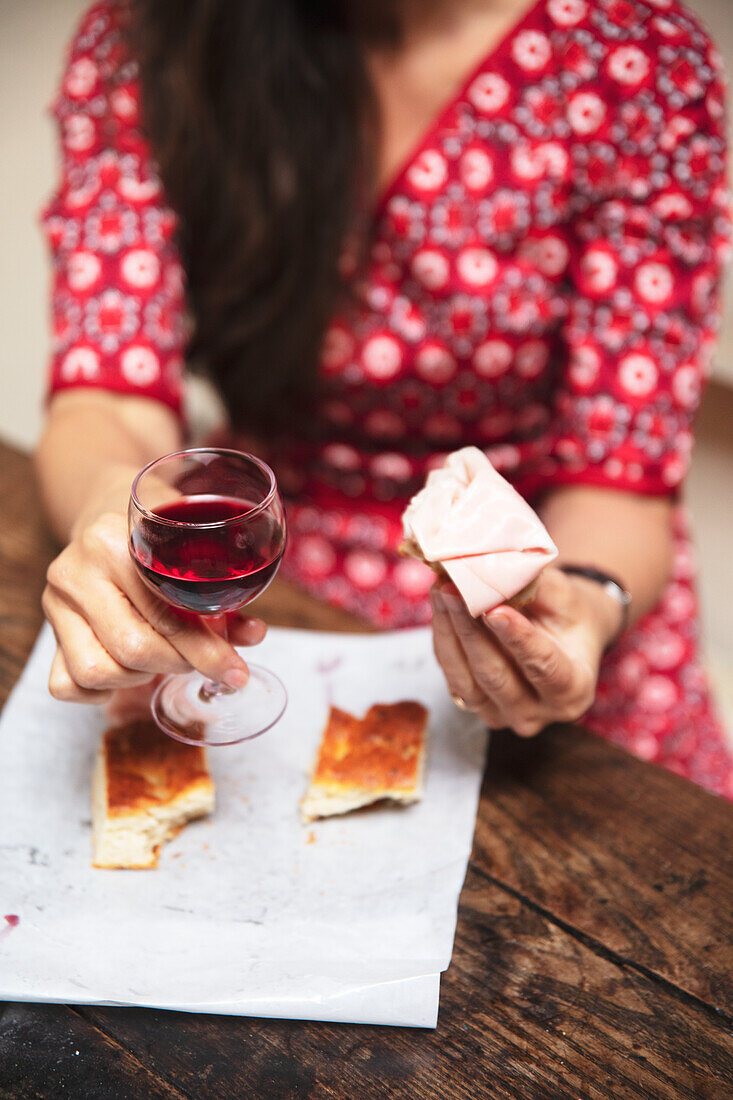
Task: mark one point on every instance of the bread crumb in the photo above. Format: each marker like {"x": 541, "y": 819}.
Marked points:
{"x": 311, "y": 838}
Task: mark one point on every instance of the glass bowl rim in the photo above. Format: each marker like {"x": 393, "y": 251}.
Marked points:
{"x": 271, "y": 493}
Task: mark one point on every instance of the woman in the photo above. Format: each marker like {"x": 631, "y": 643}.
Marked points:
{"x": 404, "y": 227}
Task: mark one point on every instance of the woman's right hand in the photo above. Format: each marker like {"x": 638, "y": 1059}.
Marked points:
{"x": 113, "y": 634}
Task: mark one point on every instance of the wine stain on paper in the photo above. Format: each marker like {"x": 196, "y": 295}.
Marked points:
{"x": 324, "y": 670}
{"x": 12, "y": 920}
{"x": 324, "y": 667}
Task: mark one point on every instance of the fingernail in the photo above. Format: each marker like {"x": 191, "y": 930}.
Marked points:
{"x": 235, "y": 678}
{"x": 454, "y": 603}
{"x": 496, "y": 621}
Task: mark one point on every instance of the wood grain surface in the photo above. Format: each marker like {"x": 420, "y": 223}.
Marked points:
{"x": 593, "y": 953}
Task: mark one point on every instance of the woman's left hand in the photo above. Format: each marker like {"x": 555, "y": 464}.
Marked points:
{"x": 524, "y": 671}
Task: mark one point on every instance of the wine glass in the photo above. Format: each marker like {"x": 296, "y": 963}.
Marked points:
{"x": 207, "y": 533}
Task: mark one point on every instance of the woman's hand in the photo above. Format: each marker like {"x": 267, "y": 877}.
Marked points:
{"x": 526, "y": 671}
{"x": 115, "y": 636}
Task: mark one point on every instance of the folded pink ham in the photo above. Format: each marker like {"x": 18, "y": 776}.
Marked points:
{"x": 479, "y": 529}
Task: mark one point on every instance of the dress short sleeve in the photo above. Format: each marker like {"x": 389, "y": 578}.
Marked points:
{"x": 117, "y": 295}
{"x": 648, "y": 241}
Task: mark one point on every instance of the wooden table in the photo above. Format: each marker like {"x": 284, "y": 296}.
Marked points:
{"x": 592, "y": 958}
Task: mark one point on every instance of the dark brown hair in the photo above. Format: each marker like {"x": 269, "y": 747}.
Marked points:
{"x": 258, "y": 113}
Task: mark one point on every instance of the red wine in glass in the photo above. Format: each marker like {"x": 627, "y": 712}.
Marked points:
{"x": 207, "y": 533}
{"x": 209, "y": 566}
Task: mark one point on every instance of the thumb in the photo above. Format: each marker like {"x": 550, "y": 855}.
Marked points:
{"x": 552, "y": 597}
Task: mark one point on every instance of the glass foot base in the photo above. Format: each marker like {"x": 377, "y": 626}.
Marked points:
{"x": 226, "y": 719}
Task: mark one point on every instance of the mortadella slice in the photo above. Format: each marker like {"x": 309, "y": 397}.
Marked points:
{"x": 474, "y": 524}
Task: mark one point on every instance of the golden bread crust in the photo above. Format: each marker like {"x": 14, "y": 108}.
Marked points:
{"x": 363, "y": 760}
{"x": 378, "y": 751}
{"x": 146, "y": 768}
{"x": 145, "y": 788}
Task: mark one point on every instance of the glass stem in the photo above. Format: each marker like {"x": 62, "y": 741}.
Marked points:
{"x": 210, "y": 689}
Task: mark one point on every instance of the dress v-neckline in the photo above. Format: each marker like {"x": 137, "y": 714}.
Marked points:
{"x": 502, "y": 44}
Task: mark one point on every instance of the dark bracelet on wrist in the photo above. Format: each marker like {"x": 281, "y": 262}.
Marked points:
{"x": 611, "y": 585}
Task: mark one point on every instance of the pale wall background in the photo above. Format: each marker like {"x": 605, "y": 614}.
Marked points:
{"x": 33, "y": 34}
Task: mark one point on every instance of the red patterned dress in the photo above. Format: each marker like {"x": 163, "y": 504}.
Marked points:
{"x": 543, "y": 284}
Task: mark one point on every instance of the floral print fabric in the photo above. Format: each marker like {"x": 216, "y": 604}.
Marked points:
{"x": 543, "y": 283}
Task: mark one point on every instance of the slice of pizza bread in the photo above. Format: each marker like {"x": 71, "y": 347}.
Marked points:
{"x": 145, "y": 787}
{"x": 363, "y": 760}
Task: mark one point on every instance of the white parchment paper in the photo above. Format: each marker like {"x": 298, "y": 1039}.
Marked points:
{"x": 249, "y": 913}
